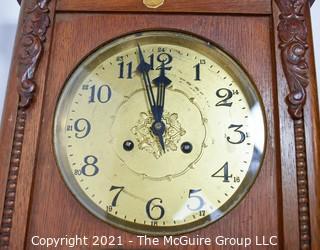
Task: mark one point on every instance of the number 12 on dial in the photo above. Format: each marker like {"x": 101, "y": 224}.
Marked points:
{"x": 159, "y": 133}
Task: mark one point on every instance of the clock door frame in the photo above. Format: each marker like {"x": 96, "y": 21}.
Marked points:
{"x": 297, "y": 116}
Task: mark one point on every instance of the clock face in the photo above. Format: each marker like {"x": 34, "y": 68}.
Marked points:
{"x": 159, "y": 133}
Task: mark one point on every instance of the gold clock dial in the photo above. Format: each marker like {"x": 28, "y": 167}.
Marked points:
{"x": 159, "y": 133}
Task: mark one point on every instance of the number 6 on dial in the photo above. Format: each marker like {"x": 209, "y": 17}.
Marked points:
{"x": 166, "y": 118}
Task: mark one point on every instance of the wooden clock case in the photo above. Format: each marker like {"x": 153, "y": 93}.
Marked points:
{"x": 270, "y": 38}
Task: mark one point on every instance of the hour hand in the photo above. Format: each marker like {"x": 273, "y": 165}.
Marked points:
{"x": 159, "y": 127}
{"x": 162, "y": 79}
{"x": 162, "y": 82}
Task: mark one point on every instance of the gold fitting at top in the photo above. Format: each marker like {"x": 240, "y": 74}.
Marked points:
{"x": 153, "y": 3}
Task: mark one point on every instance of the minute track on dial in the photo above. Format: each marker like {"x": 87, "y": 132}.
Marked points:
{"x": 114, "y": 163}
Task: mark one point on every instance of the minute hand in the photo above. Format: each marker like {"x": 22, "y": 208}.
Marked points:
{"x": 144, "y": 69}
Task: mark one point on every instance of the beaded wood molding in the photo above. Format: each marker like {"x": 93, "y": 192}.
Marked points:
{"x": 35, "y": 26}
{"x": 292, "y": 31}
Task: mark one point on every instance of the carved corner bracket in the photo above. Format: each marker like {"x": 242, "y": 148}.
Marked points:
{"x": 34, "y": 30}
{"x": 292, "y": 31}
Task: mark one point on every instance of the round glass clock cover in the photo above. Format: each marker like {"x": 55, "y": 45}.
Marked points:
{"x": 159, "y": 133}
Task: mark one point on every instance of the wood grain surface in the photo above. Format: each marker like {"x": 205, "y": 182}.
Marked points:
{"x": 312, "y": 128}
{"x": 25, "y": 157}
{"x": 52, "y": 202}
{"x": 181, "y": 6}
{"x": 305, "y": 191}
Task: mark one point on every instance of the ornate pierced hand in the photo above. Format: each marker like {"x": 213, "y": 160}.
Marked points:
{"x": 162, "y": 82}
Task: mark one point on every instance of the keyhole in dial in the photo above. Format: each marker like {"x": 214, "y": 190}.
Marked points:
{"x": 186, "y": 147}
{"x": 128, "y": 145}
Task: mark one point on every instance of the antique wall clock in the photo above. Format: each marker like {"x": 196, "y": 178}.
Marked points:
{"x": 161, "y": 118}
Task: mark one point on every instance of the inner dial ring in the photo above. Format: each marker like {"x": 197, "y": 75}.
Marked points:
{"x": 156, "y": 165}
{"x": 159, "y": 167}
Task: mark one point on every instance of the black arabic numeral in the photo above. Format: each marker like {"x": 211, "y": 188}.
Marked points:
{"x": 103, "y": 94}
{"x": 82, "y": 127}
{"x": 163, "y": 57}
{"x": 197, "y": 67}
{"x": 236, "y": 92}
{"x": 225, "y": 175}
{"x": 90, "y": 168}
{"x": 115, "y": 199}
{"x": 166, "y": 59}
{"x": 227, "y": 95}
{"x": 125, "y": 70}
{"x": 202, "y": 213}
{"x": 237, "y": 129}
{"x": 77, "y": 172}
{"x": 193, "y": 195}
{"x": 150, "y": 208}
{"x": 151, "y": 61}
{"x": 236, "y": 179}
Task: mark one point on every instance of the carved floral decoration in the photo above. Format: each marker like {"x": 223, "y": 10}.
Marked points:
{"x": 293, "y": 43}
{"x": 35, "y": 27}
{"x": 292, "y": 31}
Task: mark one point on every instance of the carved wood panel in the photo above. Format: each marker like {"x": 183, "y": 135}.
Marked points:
{"x": 226, "y": 31}
{"x": 292, "y": 31}
{"x": 34, "y": 28}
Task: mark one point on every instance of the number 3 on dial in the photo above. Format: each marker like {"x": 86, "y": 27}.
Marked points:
{"x": 145, "y": 107}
